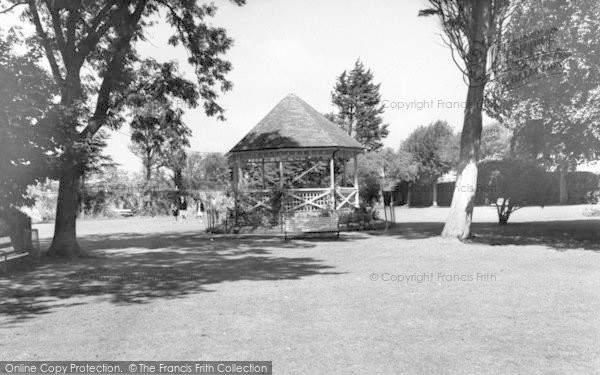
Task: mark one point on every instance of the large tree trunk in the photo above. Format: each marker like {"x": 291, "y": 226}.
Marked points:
{"x": 148, "y": 173}
{"x": 563, "y": 195}
{"x": 64, "y": 242}
{"x": 178, "y": 179}
{"x": 458, "y": 224}
{"x": 148, "y": 166}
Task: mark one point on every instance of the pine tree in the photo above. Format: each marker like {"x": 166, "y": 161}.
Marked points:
{"x": 359, "y": 106}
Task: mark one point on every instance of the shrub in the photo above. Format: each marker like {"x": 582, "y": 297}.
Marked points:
{"x": 582, "y": 187}
{"x": 16, "y": 224}
{"x": 511, "y": 184}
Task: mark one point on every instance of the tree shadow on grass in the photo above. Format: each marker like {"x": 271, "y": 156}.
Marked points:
{"x": 135, "y": 268}
{"x": 558, "y": 235}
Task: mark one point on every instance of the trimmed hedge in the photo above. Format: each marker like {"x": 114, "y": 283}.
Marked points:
{"x": 582, "y": 188}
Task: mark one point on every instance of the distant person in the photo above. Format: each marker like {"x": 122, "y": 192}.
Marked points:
{"x": 199, "y": 209}
{"x": 182, "y": 207}
{"x": 174, "y": 211}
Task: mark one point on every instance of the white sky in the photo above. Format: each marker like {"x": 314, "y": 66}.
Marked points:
{"x": 301, "y": 46}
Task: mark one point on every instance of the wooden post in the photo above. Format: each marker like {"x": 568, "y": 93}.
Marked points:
{"x": 281, "y": 173}
{"x": 332, "y": 176}
{"x": 236, "y": 194}
{"x": 284, "y": 196}
{"x": 357, "y": 198}
{"x": 241, "y": 179}
{"x": 82, "y": 194}
{"x": 264, "y": 185}
{"x": 392, "y": 211}
{"x": 382, "y": 197}
{"x": 235, "y": 176}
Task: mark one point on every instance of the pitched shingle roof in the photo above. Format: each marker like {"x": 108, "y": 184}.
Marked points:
{"x": 295, "y": 124}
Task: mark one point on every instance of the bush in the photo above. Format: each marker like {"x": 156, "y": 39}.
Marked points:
{"x": 511, "y": 184}
{"x": 359, "y": 215}
{"x": 369, "y": 188}
{"x": 582, "y": 187}
{"x": 592, "y": 211}
{"x": 17, "y": 225}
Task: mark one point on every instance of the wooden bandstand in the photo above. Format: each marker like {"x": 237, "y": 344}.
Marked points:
{"x": 297, "y": 153}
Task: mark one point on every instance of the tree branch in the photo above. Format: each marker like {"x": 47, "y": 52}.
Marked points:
{"x": 13, "y": 7}
{"x": 46, "y": 44}
{"x": 95, "y": 31}
{"x": 114, "y": 68}
{"x": 175, "y": 17}
{"x": 57, "y": 26}
{"x": 74, "y": 14}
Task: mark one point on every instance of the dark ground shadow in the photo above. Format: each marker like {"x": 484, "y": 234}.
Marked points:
{"x": 136, "y": 268}
{"x": 556, "y": 234}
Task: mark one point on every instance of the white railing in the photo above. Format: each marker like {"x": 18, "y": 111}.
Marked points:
{"x": 301, "y": 199}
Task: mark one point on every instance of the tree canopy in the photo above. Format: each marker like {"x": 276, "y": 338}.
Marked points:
{"x": 511, "y": 184}
{"x": 90, "y": 47}
{"x": 358, "y": 102}
{"x": 206, "y": 171}
{"x": 383, "y": 170}
{"x": 158, "y": 135}
{"x": 434, "y": 149}
{"x": 495, "y": 141}
{"x": 25, "y": 97}
{"x": 553, "y": 111}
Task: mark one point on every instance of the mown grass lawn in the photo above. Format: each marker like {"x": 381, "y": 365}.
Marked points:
{"x": 399, "y": 302}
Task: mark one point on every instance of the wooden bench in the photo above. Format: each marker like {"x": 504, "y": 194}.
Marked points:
{"x": 297, "y": 225}
{"x": 8, "y": 252}
{"x": 125, "y": 212}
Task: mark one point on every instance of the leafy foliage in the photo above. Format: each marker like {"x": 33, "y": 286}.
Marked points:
{"x": 555, "y": 116}
{"x": 159, "y": 138}
{"x": 495, "y": 142}
{"x": 90, "y": 47}
{"x": 359, "y": 107}
{"x": 434, "y": 149}
{"x": 382, "y": 170}
{"x": 25, "y": 96}
{"x": 511, "y": 184}
{"x": 206, "y": 171}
